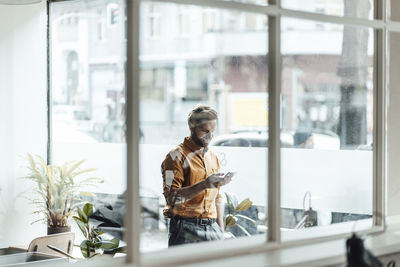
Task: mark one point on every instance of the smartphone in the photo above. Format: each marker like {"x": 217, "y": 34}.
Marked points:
{"x": 222, "y": 178}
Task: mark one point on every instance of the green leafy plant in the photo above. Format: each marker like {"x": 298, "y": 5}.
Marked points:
{"x": 58, "y": 189}
{"x": 232, "y": 217}
{"x": 95, "y": 243}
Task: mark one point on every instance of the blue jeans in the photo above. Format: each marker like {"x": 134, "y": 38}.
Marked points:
{"x": 192, "y": 230}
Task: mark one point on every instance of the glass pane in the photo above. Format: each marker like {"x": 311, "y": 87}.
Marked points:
{"x": 88, "y": 96}
{"x": 354, "y": 8}
{"x": 327, "y": 110}
{"x": 190, "y": 56}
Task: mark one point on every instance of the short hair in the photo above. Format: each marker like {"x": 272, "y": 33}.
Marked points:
{"x": 201, "y": 114}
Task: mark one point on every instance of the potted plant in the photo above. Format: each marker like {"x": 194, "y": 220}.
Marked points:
{"x": 57, "y": 190}
{"x": 232, "y": 217}
{"x": 95, "y": 243}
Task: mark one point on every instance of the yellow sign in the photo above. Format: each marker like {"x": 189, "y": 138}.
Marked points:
{"x": 250, "y": 111}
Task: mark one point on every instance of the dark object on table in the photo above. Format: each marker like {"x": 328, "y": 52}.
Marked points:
{"x": 110, "y": 219}
{"x": 108, "y": 216}
{"x": 358, "y": 255}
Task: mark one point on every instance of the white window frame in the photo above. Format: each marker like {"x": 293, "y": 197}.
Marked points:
{"x": 274, "y": 12}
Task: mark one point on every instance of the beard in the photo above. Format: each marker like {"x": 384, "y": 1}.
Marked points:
{"x": 203, "y": 142}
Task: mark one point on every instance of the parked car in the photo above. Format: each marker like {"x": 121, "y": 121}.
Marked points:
{"x": 321, "y": 140}
{"x": 250, "y": 139}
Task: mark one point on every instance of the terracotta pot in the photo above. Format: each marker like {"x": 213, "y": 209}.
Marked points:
{"x": 56, "y": 230}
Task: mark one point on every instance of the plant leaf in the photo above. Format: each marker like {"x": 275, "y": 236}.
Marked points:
{"x": 230, "y": 220}
{"x": 246, "y": 218}
{"x": 86, "y": 249}
{"x": 110, "y": 244}
{"x": 83, "y": 216}
{"x": 244, "y": 205}
{"x": 244, "y": 230}
{"x": 115, "y": 250}
{"x": 99, "y": 232}
{"x": 88, "y": 209}
{"x": 76, "y": 218}
{"x": 97, "y": 244}
{"x": 228, "y": 202}
{"x": 81, "y": 226}
{"x": 50, "y": 172}
{"x": 73, "y": 167}
{"x": 42, "y": 161}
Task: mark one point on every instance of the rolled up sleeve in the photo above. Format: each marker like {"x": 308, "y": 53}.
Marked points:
{"x": 173, "y": 174}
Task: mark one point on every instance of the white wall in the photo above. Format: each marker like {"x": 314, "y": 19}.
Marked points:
{"x": 22, "y": 114}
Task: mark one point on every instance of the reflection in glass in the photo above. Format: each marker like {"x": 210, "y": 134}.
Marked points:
{"x": 354, "y": 8}
{"x": 327, "y": 103}
{"x": 217, "y": 60}
{"x": 88, "y": 100}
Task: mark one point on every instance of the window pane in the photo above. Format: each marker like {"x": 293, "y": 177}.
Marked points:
{"x": 206, "y": 60}
{"x": 327, "y": 98}
{"x": 353, "y": 8}
{"x": 88, "y": 96}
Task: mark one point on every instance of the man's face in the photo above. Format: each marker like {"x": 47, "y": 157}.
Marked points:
{"x": 203, "y": 133}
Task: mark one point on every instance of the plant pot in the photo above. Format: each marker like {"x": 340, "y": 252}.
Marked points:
{"x": 56, "y": 230}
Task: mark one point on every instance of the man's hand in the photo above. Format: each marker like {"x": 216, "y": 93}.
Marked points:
{"x": 228, "y": 178}
{"x": 217, "y": 179}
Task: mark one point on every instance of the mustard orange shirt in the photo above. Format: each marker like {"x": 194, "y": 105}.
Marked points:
{"x": 187, "y": 165}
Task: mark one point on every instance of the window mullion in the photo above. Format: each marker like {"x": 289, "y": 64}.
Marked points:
{"x": 380, "y": 10}
{"x": 227, "y": 5}
{"x": 379, "y": 129}
{"x": 132, "y": 122}
{"x": 379, "y": 121}
{"x": 274, "y": 159}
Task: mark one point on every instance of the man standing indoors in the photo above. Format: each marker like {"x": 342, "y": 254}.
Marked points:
{"x": 191, "y": 182}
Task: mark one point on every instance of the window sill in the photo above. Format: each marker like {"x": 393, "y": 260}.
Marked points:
{"x": 255, "y": 252}
{"x": 271, "y": 254}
